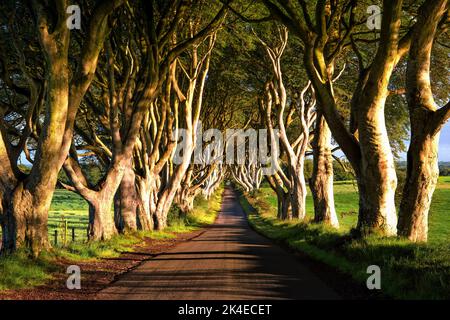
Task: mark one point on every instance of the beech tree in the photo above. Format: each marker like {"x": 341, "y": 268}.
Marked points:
{"x": 322, "y": 179}
{"x": 190, "y": 100}
{"x": 50, "y": 100}
{"x": 366, "y": 144}
{"x": 213, "y": 181}
{"x": 249, "y": 176}
{"x": 137, "y": 100}
{"x": 426, "y": 119}
{"x": 26, "y": 197}
{"x": 191, "y": 186}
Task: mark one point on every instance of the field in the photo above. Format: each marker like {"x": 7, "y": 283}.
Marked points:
{"x": 346, "y": 202}
{"x": 71, "y": 208}
{"x": 408, "y": 270}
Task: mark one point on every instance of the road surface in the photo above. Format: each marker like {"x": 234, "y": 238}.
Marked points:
{"x": 228, "y": 261}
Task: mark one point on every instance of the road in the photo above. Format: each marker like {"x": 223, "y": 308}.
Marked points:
{"x": 227, "y": 261}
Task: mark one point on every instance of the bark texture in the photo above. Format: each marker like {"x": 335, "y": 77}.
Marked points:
{"x": 426, "y": 123}
{"x": 101, "y": 218}
{"x": 125, "y": 211}
{"x": 322, "y": 176}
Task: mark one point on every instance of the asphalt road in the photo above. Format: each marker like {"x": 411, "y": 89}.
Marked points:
{"x": 228, "y": 261}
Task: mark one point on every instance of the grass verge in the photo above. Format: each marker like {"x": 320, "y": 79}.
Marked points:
{"x": 408, "y": 271}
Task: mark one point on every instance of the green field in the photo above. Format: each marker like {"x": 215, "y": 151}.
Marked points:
{"x": 409, "y": 270}
{"x": 346, "y": 203}
{"x": 70, "y": 207}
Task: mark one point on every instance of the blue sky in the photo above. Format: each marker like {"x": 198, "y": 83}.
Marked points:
{"x": 444, "y": 143}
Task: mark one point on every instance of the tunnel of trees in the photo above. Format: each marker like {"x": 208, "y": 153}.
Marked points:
{"x": 100, "y": 109}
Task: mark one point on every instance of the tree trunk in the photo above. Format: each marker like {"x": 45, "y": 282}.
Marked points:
{"x": 186, "y": 204}
{"x": 371, "y": 156}
{"x": 26, "y": 212}
{"x": 167, "y": 196}
{"x": 161, "y": 217}
{"x": 126, "y": 209}
{"x": 283, "y": 198}
{"x": 376, "y": 176}
{"x": 426, "y": 122}
{"x": 377, "y": 212}
{"x": 298, "y": 193}
{"x": 25, "y": 220}
{"x": 147, "y": 193}
{"x": 421, "y": 179}
{"x": 101, "y": 221}
{"x": 283, "y": 202}
{"x": 322, "y": 176}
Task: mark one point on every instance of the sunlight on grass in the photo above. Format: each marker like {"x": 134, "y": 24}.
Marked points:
{"x": 18, "y": 271}
{"x": 409, "y": 271}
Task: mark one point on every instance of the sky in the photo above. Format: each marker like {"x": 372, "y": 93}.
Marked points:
{"x": 444, "y": 143}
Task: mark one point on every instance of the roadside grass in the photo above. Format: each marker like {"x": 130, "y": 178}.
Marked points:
{"x": 19, "y": 271}
{"x": 408, "y": 271}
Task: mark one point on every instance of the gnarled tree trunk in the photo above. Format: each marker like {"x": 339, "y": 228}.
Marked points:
{"x": 426, "y": 123}
{"x": 25, "y": 220}
{"x": 421, "y": 179}
{"x": 377, "y": 178}
{"x": 147, "y": 192}
{"x": 186, "y": 203}
{"x": 298, "y": 192}
{"x": 26, "y": 211}
{"x": 125, "y": 211}
{"x": 322, "y": 177}
{"x": 283, "y": 198}
{"x": 101, "y": 219}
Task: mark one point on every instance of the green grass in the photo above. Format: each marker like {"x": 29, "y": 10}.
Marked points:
{"x": 439, "y": 220}
{"x": 346, "y": 203}
{"x": 409, "y": 271}
{"x": 70, "y": 207}
{"x": 19, "y": 271}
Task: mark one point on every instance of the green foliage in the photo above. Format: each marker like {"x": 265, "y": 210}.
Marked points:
{"x": 444, "y": 169}
{"x": 342, "y": 172}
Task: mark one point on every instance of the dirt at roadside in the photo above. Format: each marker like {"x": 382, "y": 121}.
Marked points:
{"x": 95, "y": 275}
